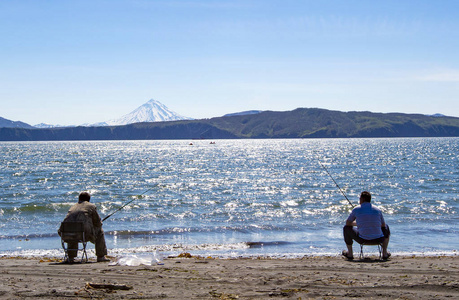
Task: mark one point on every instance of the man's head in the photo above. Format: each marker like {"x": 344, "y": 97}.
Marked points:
{"x": 84, "y": 196}
{"x": 365, "y": 197}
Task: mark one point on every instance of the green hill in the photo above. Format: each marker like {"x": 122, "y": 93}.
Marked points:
{"x": 299, "y": 123}
{"x": 321, "y": 123}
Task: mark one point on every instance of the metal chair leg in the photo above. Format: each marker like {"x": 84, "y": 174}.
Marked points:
{"x": 362, "y": 256}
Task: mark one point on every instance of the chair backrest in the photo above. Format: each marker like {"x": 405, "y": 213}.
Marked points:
{"x": 72, "y": 231}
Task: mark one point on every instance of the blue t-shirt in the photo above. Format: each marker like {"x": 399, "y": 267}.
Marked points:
{"x": 369, "y": 220}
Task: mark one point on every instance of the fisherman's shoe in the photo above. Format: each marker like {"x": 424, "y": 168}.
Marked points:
{"x": 102, "y": 259}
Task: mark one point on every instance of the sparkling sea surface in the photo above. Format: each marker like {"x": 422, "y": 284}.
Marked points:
{"x": 233, "y": 198}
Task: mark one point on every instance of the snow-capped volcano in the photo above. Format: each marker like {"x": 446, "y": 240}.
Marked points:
{"x": 152, "y": 111}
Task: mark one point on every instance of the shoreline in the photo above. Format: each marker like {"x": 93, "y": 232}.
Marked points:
{"x": 309, "y": 277}
{"x": 58, "y": 254}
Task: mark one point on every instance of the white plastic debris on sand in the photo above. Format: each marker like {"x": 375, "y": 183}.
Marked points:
{"x": 138, "y": 259}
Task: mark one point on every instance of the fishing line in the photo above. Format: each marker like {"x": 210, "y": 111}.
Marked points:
{"x": 127, "y": 203}
{"x": 342, "y": 192}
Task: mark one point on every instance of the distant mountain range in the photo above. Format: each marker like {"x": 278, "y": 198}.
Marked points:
{"x": 5, "y": 123}
{"x": 299, "y": 123}
{"x": 152, "y": 111}
{"x": 243, "y": 113}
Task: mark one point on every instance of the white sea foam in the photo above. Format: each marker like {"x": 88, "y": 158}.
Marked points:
{"x": 213, "y": 250}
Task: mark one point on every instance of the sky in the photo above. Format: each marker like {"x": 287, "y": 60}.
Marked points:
{"x": 75, "y": 62}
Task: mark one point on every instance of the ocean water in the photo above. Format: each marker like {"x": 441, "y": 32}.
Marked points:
{"x": 232, "y": 198}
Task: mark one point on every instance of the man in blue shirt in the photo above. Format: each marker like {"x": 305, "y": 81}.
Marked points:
{"x": 366, "y": 224}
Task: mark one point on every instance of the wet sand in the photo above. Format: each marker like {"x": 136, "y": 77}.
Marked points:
{"x": 207, "y": 278}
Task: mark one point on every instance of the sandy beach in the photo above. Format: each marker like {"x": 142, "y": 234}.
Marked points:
{"x": 208, "y": 278}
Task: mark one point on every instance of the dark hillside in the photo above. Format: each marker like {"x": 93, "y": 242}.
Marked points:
{"x": 321, "y": 123}
{"x": 299, "y": 123}
{"x": 138, "y": 131}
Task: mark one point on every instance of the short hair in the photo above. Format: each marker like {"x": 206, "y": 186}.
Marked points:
{"x": 84, "y": 196}
{"x": 365, "y": 196}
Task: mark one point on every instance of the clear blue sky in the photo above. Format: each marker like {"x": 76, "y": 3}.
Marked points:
{"x": 74, "y": 62}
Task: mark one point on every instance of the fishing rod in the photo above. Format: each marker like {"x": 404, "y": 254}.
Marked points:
{"x": 336, "y": 184}
{"x": 126, "y": 204}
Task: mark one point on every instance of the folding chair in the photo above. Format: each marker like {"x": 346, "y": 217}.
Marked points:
{"x": 72, "y": 233}
{"x": 375, "y": 242}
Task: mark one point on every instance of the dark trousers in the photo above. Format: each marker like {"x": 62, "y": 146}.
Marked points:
{"x": 351, "y": 234}
{"x": 101, "y": 247}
